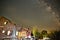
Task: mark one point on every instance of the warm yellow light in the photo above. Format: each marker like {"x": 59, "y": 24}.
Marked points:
{"x": 22, "y": 34}
{"x": 46, "y": 38}
{"x": 5, "y": 23}
{"x": 3, "y": 31}
{"x": 8, "y": 33}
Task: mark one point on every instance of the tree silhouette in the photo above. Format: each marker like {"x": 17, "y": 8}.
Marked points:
{"x": 44, "y": 33}
{"x": 55, "y": 35}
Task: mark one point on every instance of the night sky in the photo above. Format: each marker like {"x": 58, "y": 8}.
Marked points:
{"x": 44, "y": 14}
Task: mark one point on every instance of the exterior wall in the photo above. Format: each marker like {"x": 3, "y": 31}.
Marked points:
{"x": 22, "y": 34}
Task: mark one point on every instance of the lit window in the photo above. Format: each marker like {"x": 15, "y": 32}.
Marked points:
{"x": 3, "y": 31}
{"x": 5, "y": 23}
{"x": 8, "y": 33}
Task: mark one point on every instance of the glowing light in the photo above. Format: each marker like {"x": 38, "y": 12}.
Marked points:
{"x": 29, "y": 36}
{"x": 8, "y": 33}
{"x": 22, "y": 34}
{"x": 16, "y": 32}
{"x": 5, "y": 23}
{"x": 46, "y": 38}
{"x": 3, "y": 31}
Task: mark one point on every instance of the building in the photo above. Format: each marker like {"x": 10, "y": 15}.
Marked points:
{"x": 6, "y": 26}
{"x": 24, "y": 32}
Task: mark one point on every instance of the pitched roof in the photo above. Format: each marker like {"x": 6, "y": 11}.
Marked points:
{"x": 3, "y": 19}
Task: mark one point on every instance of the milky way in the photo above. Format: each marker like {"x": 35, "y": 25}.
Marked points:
{"x": 29, "y": 12}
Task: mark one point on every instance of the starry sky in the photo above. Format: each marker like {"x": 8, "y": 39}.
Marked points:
{"x": 44, "y": 14}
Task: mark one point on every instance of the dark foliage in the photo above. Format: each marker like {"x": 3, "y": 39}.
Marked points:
{"x": 55, "y": 35}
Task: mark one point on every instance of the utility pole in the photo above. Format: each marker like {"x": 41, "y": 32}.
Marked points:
{"x": 14, "y": 33}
